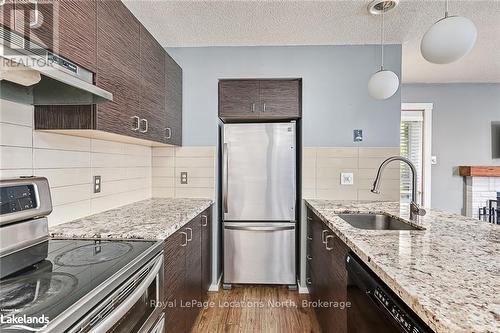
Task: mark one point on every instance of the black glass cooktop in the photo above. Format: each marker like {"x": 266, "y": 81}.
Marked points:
{"x": 71, "y": 270}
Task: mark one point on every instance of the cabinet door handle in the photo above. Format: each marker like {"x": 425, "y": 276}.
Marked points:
{"x": 225, "y": 177}
{"x": 204, "y": 218}
{"x": 309, "y": 257}
{"x": 185, "y": 239}
{"x": 146, "y": 126}
{"x": 308, "y": 281}
{"x": 253, "y": 107}
{"x": 323, "y": 233}
{"x": 326, "y": 242}
{"x": 136, "y": 124}
{"x": 264, "y": 110}
{"x": 168, "y": 134}
{"x": 35, "y": 24}
{"x": 190, "y": 238}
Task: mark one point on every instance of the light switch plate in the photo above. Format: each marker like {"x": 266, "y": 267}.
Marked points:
{"x": 347, "y": 178}
{"x": 184, "y": 177}
{"x": 97, "y": 184}
{"x": 357, "y": 135}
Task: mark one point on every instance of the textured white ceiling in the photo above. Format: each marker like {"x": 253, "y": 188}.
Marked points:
{"x": 252, "y": 23}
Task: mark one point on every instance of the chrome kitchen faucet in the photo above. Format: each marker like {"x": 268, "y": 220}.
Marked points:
{"x": 415, "y": 209}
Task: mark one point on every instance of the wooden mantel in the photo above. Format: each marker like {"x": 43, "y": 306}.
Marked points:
{"x": 479, "y": 171}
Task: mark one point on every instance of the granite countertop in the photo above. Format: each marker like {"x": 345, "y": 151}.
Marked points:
{"x": 449, "y": 273}
{"x": 152, "y": 219}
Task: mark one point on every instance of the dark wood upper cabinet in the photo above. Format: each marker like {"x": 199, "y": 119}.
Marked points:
{"x": 146, "y": 83}
{"x": 35, "y": 21}
{"x": 249, "y": 100}
{"x": 280, "y": 98}
{"x": 7, "y": 14}
{"x": 77, "y": 37}
{"x": 118, "y": 70}
{"x": 239, "y": 98}
{"x": 65, "y": 27}
{"x": 173, "y": 101}
{"x": 152, "y": 86}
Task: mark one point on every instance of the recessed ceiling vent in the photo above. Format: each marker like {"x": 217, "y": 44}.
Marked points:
{"x": 378, "y": 7}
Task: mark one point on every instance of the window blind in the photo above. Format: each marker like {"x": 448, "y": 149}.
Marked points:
{"x": 412, "y": 148}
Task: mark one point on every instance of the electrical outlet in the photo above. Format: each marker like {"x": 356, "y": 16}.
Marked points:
{"x": 347, "y": 178}
{"x": 184, "y": 177}
{"x": 97, "y": 184}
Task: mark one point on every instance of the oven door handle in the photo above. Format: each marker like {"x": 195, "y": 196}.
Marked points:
{"x": 127, "y": 304}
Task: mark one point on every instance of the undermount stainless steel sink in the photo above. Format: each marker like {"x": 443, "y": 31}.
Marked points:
{"x": 377, "y": 222}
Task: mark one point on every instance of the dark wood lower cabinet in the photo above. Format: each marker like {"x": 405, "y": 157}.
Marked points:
{"x": 206, "y": 253}
{"x": 175, "y": 280}
{"x": 193, "y": 271}
{"x": 327, "y": 275}
{"x": 186, "y": 258}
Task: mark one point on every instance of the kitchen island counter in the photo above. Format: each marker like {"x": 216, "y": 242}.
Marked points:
{"x": 447, "y": 274}
{"x": 151, "y": 219}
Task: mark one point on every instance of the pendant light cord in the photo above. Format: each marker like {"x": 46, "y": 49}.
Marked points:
{"x": 382, "y": 40}
{"x": 445, "y": 8}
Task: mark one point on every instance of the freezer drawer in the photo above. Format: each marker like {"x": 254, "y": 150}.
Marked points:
{"x": 260, "y": 253}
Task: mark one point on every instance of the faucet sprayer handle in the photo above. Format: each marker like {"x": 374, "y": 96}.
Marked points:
{"x": 416, "y": 209}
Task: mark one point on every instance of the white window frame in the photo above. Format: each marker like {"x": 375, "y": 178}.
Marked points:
{"x": 427, "y": 147}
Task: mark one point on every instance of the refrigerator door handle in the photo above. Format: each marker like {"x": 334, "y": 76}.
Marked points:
{"x": 246, "y": 228}
{"x": 225, "y": 172}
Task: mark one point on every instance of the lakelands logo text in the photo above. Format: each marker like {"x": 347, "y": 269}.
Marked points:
{"x": 24, "y": 322}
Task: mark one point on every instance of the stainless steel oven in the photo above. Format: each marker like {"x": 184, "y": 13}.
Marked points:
{"x": 134, "y": 307}
{"x": 75, "y": 285}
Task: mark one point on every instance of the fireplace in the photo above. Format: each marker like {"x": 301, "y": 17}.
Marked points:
{"x": 481, "y": 191}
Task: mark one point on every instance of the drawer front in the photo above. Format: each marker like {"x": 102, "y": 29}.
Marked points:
{"x": 259, "y": 253}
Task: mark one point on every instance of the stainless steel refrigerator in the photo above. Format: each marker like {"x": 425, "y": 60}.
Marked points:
{"x": 259, "y": 203}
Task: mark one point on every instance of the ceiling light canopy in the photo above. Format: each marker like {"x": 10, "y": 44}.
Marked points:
{"x": 377, "y": 7}
{"x": 449, "y": 39}
{"x": 384, "y": 83}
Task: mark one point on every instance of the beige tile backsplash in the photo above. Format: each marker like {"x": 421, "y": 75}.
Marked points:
{"x": 198, "y": 162}
{"x": 322, "y": 166}
{"x": 70, "y": 163}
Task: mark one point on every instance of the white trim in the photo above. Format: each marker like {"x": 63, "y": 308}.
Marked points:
{"x": 427, "y": 153}
{"x": 412, "y": 115}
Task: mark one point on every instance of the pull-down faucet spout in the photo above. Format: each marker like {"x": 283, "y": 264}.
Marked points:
{"x": 415, "y": 210}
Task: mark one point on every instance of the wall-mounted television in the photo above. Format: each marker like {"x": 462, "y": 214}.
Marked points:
{"x": 495, "y": 139}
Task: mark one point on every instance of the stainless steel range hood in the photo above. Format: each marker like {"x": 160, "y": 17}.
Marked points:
{"x": 55, "y": 80}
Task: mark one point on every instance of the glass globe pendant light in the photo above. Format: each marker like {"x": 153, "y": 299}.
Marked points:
{"x": 449, "y": 39}
{"x": 384, "y": 83}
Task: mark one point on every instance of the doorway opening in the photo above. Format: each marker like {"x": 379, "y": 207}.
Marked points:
{"x": 416, "y": 145}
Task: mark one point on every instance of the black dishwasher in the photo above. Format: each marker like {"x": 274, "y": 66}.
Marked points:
{"x": 374, "y": 307}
